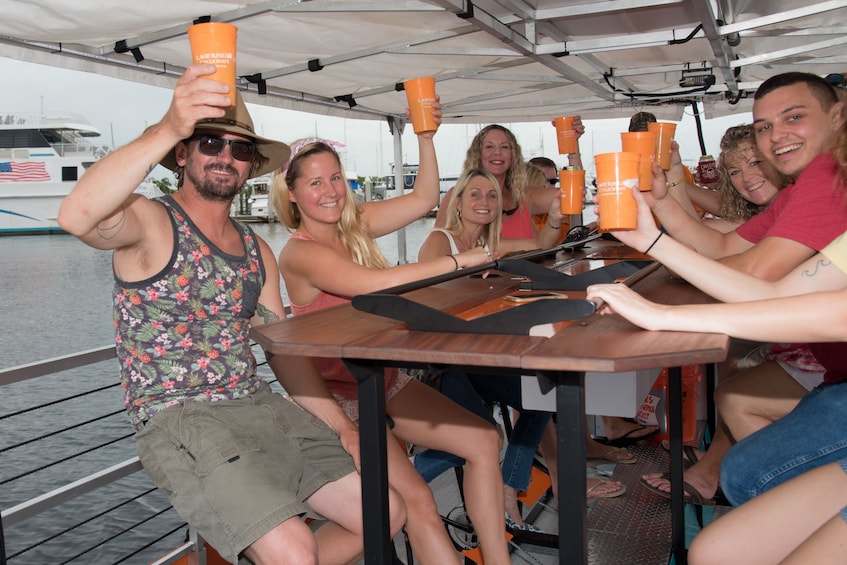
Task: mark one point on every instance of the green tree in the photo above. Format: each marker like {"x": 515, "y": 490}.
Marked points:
{"x": 165, "y": 185}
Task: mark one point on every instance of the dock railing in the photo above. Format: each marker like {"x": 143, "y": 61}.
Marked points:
{"x": 87, "y": 513}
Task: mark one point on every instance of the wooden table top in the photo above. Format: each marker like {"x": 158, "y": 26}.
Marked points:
{"x": 595, "y": 343}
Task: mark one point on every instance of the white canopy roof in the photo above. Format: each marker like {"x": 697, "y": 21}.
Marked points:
{"x": 494, "y": 60}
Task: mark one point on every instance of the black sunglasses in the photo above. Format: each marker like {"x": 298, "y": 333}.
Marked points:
{"x": 554, "y": 181}
{"x": 213, "y": 145}
{"x": 837, "y": 80}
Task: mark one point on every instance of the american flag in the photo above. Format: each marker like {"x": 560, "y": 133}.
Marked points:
{"x": 10, "y": 171}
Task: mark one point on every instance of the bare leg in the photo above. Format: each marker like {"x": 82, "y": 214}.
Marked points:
{"x": 290, "y": 542}
{"x": 751, "y": 400}
{"x": 340, "y": 540}
{"x": 512, "y": 506}
{"x": 706, "y": 473}
{"x": 548, "y": 450}
{"x": 825, "y": 547}
{"x": 795, "y": 520}
{"x": 426, "y": 417}
{"x": 754, "y": 398}
{"x": 429, "y": 539}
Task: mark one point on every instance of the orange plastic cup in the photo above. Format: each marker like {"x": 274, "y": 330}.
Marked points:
{"x": 643, "y": 143}
{"x": 565, "y": 135}
{"x": 617, "y": 174}
{"x": 664, "y": 135}
{"x": 420, "y": 94}
{"x": 571, "y": 190}
{"x": 213, "y": 43}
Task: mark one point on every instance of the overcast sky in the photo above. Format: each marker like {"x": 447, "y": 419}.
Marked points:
{"x": 122, "y": 109}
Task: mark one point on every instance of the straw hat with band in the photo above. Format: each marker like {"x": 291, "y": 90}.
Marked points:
{"x": 237, "y": 120}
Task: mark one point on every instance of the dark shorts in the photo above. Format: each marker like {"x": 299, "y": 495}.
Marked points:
{"x": 235, "y": 469}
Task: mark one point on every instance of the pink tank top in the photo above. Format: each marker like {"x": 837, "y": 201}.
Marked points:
{"x": 518, "y": 225}
{"x": 338, "y": 378}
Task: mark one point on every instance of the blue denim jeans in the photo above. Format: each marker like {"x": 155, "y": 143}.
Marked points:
{"x": 843, "y": 464}
{"x": 469, "y": 391}
{"x": 811, "y": 435}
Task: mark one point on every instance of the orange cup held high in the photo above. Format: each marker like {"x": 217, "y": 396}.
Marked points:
{"x": 664, "y": 136}
{"x": 213, "y": 43}
{"x": 420, "y": 94}
{"x": 643, "y": 143}
{"x": 565, "y": 135}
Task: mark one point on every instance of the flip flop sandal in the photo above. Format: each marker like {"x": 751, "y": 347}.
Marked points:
{"x": 690, "y": 454}
{"x": 692, "y": 495}
{"x": 589, "y": 494}
{"x": 606, "y": 459}
{"x": 628, "y": 438}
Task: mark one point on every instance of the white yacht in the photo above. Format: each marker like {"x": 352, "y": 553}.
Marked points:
{"x": 41, "y": 159}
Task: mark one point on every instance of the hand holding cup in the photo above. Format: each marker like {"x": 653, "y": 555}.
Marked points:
{"x": 420, "y": 94}
{"x": 214, "y": 43}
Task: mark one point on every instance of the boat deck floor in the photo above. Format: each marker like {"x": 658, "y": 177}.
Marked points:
{"x": 634, "y": 529}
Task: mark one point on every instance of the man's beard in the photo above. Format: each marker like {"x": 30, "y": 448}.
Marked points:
{"x": 214, "y": 188}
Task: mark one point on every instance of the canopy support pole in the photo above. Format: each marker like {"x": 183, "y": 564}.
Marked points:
{"x": 396, "y": 126}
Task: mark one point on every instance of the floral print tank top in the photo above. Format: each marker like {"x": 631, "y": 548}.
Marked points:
{"x": 182, "y": 335}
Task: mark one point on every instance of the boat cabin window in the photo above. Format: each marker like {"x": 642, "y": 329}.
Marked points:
{"x": 22, "y": 138}
{"x": 70, "y": 174}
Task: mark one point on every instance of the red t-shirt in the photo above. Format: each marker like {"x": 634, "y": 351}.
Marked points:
{"x": 811, "y": 211}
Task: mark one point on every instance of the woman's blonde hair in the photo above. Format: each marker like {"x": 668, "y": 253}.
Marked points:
{"x": 735, "y": 207}
{"x": 535, "y": 176}
{"x": 516, "y": 176}
{"x": 491, "y": 231}
{"x": 355, "y": 238}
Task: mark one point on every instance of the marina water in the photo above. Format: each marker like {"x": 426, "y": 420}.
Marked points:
{"x": 55, "y": 299}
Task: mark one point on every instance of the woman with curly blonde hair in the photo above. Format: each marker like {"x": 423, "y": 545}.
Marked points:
{"x": 746, "y": 183}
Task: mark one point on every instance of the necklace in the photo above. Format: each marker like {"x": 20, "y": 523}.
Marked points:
{"x": 478, "y": 242}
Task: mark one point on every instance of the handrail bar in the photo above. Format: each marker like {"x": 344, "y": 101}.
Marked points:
{"x": 56, "y": 364}
{"x": 48, "y": 500}
{"x": 186, "y": 548}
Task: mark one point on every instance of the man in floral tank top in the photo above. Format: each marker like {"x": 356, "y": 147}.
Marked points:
{"x": 240, "y": 463}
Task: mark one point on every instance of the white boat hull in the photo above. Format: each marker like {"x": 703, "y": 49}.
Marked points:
{"x": 31, "y": 207}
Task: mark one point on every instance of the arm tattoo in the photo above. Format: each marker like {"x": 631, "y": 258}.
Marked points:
{"x": 108, "y": 232}
{"x": 818, "y": 266}
{"x": 266, "y": 314}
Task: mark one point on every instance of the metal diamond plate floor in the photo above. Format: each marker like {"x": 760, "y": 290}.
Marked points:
{"x": 634, "y": 529}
